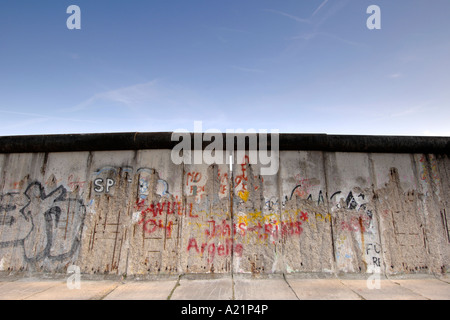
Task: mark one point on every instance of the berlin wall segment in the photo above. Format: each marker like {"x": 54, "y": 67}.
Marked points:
{"x": 136, "y": 212}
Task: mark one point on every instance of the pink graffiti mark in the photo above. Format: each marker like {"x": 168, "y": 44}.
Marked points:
{"x": 220, "y": 230}
{"x": 242, "y": 179}
{"x": 223, "y": 180}
{"x": 356, "y": 224}
{"x": 168, "y": 207}
{"x": 150, "y": 213}
{"x": 193, "y": 177}
{"x": 74, "y": 184}
{"x": 276, "y": 228}
{"x": 221, "y": 249}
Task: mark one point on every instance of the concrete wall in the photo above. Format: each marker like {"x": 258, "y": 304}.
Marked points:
{"x": 136, "y": 212}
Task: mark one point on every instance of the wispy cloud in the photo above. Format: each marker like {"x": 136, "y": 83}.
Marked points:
{"x": 312, "y": 35}
{"x": 298, "y": 19}
{"x": 159, "y": 97}
{"x": 406, "y": 112}
{"x": 130, "y": 96}
{"x": 26, "y": 123}
{"x": 425, "y": 106}
{"x": 320, "y": 7}
{"x": 234, "y": 30}
{"x": 74, "y": 56}
{"x": 395, "y": 75}
{"x": 290, "y": 16}
{"x": 33, "y": 121}
{"x": 316, "y": 22}
{"x": 43, "y": 117}
{"x": 331, "y": 11}
{"x": 250, "y": 70}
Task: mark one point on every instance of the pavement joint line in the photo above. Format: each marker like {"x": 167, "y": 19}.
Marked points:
{"x": 33, "y": 294}
{"x": 440, "y": 279}
{"x": 175, "y": 287}
{"x": 108, "y": 292}
{"x": 233, "y": 297}
{"x": 360, "y": 296}
{"x": 289, "y": 285}
{"x": 399, "y": 284}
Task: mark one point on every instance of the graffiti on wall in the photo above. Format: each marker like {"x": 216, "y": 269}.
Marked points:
{"x": 46, "y": 225}
{"x": 212, "y": 215}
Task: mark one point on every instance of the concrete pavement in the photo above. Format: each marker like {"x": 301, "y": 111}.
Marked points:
{"x": 221, "y": 287}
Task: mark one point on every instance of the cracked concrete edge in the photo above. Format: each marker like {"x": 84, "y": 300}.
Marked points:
{"x": 351, "y": 289}
{"x": 102, "y": 295}
{"x": 39, "y": 292}
{"x": 177, "y": 284}
{"x": 413, "y": 291}
{"x": 289, "y": 285}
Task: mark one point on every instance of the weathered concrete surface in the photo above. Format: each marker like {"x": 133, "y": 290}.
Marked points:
{"x": 388, "y": 290}
{"x": 263, "y": 289}
{"x": 307, "y": 287}
{"x": 322, "y": 289}
{"x": 142, "y": 290}
{"x": 204, "y": 289}
{"x": 433, "y": 289}
{"x": 23, "y": 289}
{"x": 136, "y": 213}
{"x": 89, "y": 290}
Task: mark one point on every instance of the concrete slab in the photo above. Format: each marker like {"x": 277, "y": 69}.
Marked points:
{"x": 263, "y": 289}
{"x": 145, "y": 290}
{"x": 322, "y": 289}
{"x": 386, "y": 290}
{"x": 205, "y": 289}
{"x": 433, "y": 289}
{"x": 89, "y": 290}
{"x": 222, "y": 288}
{"x": 22, "y": 289}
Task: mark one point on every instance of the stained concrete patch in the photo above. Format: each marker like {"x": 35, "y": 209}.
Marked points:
{"x": 145, "y": 290}
{"x": 430, "y": 288}
{"x": 263, "y": 289}
{"x": 89, "y": 290}
{"x": 322, "y": 289}
{"x": 213, "y": 289}
{"x": 384, "y": 290}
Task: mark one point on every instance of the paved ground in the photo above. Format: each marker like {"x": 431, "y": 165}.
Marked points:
{"x": 238, "y": 287}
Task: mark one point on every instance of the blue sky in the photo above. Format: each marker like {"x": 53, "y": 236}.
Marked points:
{"x": 309, "y": 66}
